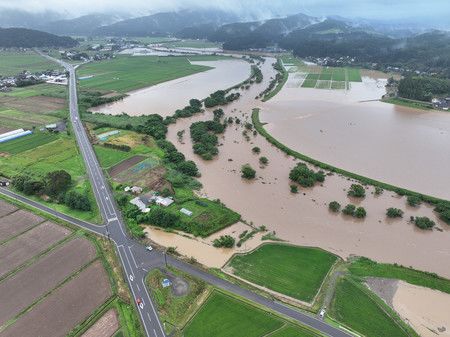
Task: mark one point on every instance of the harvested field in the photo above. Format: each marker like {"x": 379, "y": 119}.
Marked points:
{"x": 29, "y": 244}
{"x": 6, "y": 208}
{"x": 105, "y": 326}
{"x": 16, "y": 223}
{"x": 152, "y": 178}
{"x": 4, "y": 129}
{"x": 66, "y": 307}
{"x": 125, "y": 165}
{"x": 19, "y": 291}
{"x": 34, "y": 104}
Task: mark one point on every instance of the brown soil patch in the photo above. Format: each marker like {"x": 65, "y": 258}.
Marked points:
{"x": 25, "y": 287}
{"x": 36, "y": 104}
{"x": 6, "y": 208}
{"x": 125, "y": 165}
{"x": 4, "y": 130}
{"x": 29, "y": 244}
{"x": 152, "y": 178}
{"x": 105, "y": 326}
{"x": 65, "y": 307}
{"x": 17, "y": 222}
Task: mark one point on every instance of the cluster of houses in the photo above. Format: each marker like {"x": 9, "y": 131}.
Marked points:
{"x": 331, "y": 61}
{"x": 144, "y": 201}
{"x": 27, "y": 78}
{"x": 84, "y": 57}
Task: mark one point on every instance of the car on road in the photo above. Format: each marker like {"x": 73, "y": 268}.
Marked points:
{"x": 149, "y": 248}
{"x": 140, "y": 303}
{"x": 322, "y": 312}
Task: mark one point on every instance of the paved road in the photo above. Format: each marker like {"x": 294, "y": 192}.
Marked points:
{"x": 136, "y": 260}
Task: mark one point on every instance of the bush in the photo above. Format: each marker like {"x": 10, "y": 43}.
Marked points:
{"x": 413, "y": 200}
{"x": 349, "y": 209}
{"x": 424, "y": 222}
{"x": 394, "y": 212}
{"x": 256, "y": 150}
{"x": 225, "y": 241}
{"x": 247, "y": 172}
{"x": 356, "y": 191}
{"x": 360, "y": 213}
{"x": 378, "y": 190}
{"x": 294, "y": 188}
{"x": 188, "y": 167}
{"x": 263, "y": 160}
{"x": 334, "y": 206}
{"x": 161, "y": 218}
{"x": 304, "y": 176}
{"x": 57, "y": 182}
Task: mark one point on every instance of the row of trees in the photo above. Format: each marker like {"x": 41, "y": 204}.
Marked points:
{"x": 423, "y": 88}
{"x": 56, "y": 186}
{"x": 220, "y": 98}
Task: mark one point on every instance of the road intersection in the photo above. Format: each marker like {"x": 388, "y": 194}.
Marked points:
{"x": 135, "y": 259}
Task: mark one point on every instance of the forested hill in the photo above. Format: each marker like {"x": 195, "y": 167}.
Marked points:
{"x": 29, "y": 38}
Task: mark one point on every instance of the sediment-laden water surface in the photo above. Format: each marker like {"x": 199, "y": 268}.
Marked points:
{"x": 304, "y": 218}
{"x": 398, "y": 145}
{"x": 165, "y": 98}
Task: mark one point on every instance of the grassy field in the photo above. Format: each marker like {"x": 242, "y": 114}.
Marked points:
{"x": 224, "y": 316}
{"x": 109, "y": 157}
{"x": 14, "y": 62}
{"x": 353, "y": 307}
{"x": 364, "y": 267}
{"x": 27, "y": 142}
{"x": 338, "y": 77}
{"x": 295, "y": 271}
{"x": 292, "y": 331}
{"x": 125, "y": 73}
{"x": 16, "y": 119}
{"x": 44, "y": 89}
{"x": 172, "y": 309}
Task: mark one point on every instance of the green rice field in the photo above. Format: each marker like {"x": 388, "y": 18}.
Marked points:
{"x": 294, "y": 271}
{"x": 28, "y": 142}
{"x": 109, "y": 157}
{"x": 125, "y": 73}
{"x": 352, "y": 306}
{"x": 332, "y": 78}
{"x": 14, "y": 62}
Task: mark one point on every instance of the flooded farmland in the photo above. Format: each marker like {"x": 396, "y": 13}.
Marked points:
{"x": 346, "y": 129}
{"x": 169, "y": 96}
{"x": 304, "y": 218}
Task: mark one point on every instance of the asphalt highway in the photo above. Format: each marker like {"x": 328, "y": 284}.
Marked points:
{"x": 135, "y": 259}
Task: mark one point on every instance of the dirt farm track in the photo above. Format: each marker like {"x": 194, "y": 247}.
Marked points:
{"x": 50, "y": 278}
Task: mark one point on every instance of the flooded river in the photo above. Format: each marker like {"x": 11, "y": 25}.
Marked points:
{"x": 390, "y": 143}
{"x": 169, "y": 96}
{"x": 304, "y": 218}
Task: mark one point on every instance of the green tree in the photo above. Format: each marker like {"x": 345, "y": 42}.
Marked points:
{"x": 334, "y": 206}
{"x": 424, "y": 222}
{"x": 263, "y": 160}
{"x": 225, "y": 241}
{"x": 247, "y": 172}
{"x": 77, "y": 201}
{"x": 349, "y": 209}
{"x": 57, "y": 182}
{"x": 294, "y": 188}
{"x": 394, "y": 212}
{"x": 413, "y": 200}
{"x": 356, "y": 191}
{"x": 256, "y": 150}
{"x": 360, "y": 212}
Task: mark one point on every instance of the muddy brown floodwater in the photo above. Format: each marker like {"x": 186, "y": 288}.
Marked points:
{"x": 169, "y": 96}
{"x": 304, "y": 218}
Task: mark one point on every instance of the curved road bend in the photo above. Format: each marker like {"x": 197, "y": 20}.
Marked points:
{"x": 136, "y": 260}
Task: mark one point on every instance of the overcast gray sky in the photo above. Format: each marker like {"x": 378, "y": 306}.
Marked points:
{"x": 374, "y": 9}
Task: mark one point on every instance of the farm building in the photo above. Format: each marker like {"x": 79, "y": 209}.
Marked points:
{"x": 141, "y": 204}
{"x": 162, "y": 201}
{"x": 104, "y": 136}
{"x": 186, "y": 211}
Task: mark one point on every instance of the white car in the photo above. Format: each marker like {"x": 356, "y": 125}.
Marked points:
{"x": 149, "y": 248}
{"x": 322, "y": 313}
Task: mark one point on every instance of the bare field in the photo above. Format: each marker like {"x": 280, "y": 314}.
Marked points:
{"x": 16, "y": 223}
{"x": 29, "y": 244}
{"x": 21, "y": 290}
{"x": 105, "y": 326}
{"x": 125, "y": 165}
{"x": 34, "y": 104}
{"x": 66, "y": 307}
{"x": 6, "y": 208}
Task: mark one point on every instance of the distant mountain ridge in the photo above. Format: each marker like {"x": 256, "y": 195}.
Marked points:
{"x": 166, "y": 23}
{"x": 83, "y": 25}
{"x": 30, "y": 38}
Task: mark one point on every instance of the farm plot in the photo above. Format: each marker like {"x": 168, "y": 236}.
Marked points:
{"x": 70, "y": 304}
{"x": 31, "y": 243}
{"x": 224, "y": 316}
{"x": 295, "y": 271}
{"x": 145, "y": 173}
{"x": 16, "y": 223}
{"x": 16, "y": 119}
{"x": 26, "y": 143}
{"x": 105, "y": 326}
{"x": 110, "y": 157}
{"x": 14, "y": 62}
{"x": 35, "y": 104}
{"x": 123, "y": 165}
{"x": 6, "y": 208}
{"x": 22, "y": 289}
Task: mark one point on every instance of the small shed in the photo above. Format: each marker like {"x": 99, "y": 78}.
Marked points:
{"x": 186, "y": 211}
{"x": 166, "y": 283}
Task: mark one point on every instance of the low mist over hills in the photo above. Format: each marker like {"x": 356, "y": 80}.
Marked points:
{"x": 29, "y": 38}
